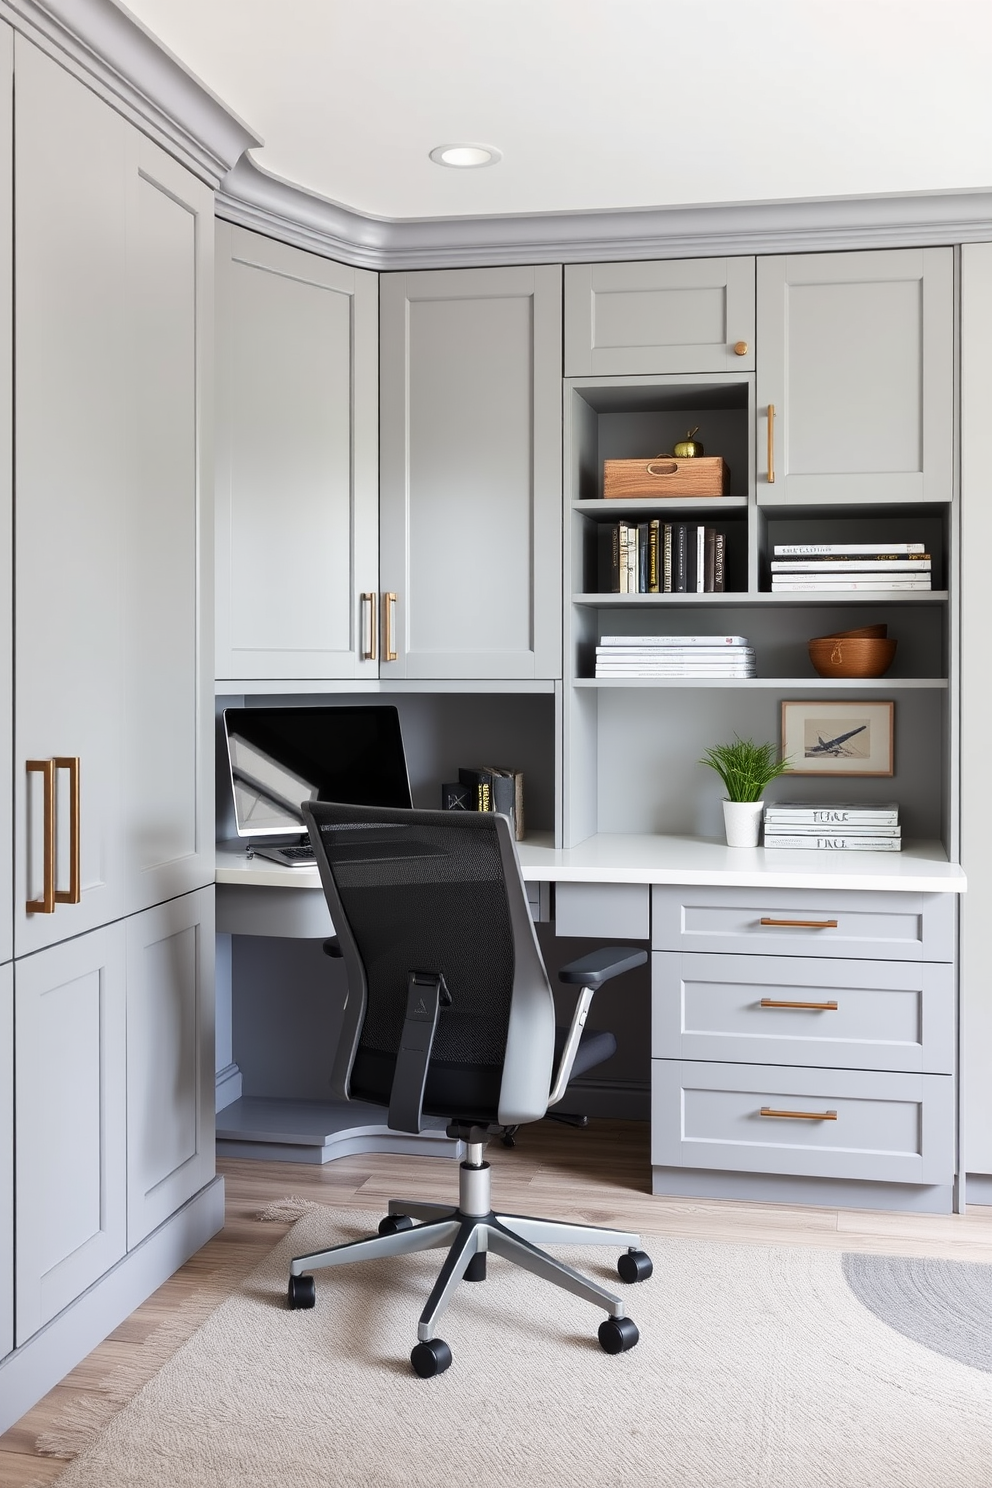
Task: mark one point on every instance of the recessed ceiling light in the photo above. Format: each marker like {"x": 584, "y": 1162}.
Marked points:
{"x": 465, "y": 157}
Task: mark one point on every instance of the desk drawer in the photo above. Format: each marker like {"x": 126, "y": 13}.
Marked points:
{"x": 805, "y": 922}
{"x": 881, "y": 1015}
{"x": 890, "y": 1128}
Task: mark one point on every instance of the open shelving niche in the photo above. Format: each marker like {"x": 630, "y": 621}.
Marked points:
{"x": 631, "y": 747}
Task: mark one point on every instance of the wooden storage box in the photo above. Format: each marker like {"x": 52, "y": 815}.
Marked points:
{"x": 702, "y": 475}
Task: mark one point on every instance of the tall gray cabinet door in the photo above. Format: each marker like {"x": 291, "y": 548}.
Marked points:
{"x": 71, "y": 478}
{"x": 6, "y": 494}
{"x": 676, "y": 315}
{"x": 168, "y": 736}
{"x": 6, "y": 1159}
{"x": 71, "y": 1121}
{"x": 170, "y": 1064}
{"x": 855, "y": 377}
{"x": 470, "y": 498}
{"x": 297, "y": 463}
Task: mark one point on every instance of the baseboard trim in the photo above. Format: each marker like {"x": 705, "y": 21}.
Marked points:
{"x": 46, "y": 1358}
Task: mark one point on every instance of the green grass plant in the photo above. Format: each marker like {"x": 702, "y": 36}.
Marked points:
{"x": 745, "y": 767}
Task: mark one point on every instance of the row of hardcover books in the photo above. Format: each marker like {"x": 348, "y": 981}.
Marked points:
{"x": 656, "y": 557}
{"x": 674, "y": 656}
{"x": 836, "y": 567}
{"x": 844, "y": 825}
{"x": 488, "y": 788}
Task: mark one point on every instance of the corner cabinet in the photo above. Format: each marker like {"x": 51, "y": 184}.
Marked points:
{"x": 470, "y": 493}
{"x": 297, "y": 463}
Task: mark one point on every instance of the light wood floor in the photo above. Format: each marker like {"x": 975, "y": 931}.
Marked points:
{"x": 601, "y": 1175}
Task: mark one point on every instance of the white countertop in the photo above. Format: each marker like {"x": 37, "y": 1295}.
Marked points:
{"x": 920, "y": 867}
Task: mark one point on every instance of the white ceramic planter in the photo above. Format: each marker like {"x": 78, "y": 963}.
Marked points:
{"x": 742, "y": 822}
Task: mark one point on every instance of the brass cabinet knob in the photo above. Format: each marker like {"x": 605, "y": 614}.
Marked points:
{"x": 741, "y": 348}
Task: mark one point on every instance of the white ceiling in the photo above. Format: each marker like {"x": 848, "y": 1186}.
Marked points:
{"x": 598, "y": 104}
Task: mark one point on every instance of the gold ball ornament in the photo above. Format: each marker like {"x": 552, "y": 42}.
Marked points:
{"x": 688, "y": 448}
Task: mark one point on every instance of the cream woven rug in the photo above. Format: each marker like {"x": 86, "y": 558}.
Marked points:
{"x": 757, "y": 1368}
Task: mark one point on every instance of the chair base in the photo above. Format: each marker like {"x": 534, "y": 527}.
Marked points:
{"x": 469, "y": 1232}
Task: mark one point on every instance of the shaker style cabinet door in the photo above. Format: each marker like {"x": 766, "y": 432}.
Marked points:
{"x": 297, "y": 463}
{"x": 71, "y": 1121}
{"x": 170, "y": 1065}
{"x": 855, "y": 377}
{"x": 677, "y": 315}
{"x": 470, "y": 499}
{"x": 6, "y": 1159}
{"x": 6, "y": 528}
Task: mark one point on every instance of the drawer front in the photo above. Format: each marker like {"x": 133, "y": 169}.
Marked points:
{"x": 883, "y": 1127}
{"x": 603, "y": 910}
{"x": 841, "y": 1014}
{"x": 806, "y": 922}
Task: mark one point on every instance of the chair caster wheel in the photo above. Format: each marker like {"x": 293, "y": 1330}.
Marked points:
{"x": 393, "y": 1223}
{"x": 430, "y": 1358}
{"x": 302, "y": 1291}
{"x": 634, "y": 1265}
{"x": 617, "y": 1335}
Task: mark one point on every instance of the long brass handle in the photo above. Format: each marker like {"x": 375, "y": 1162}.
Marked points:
{"x": 771, "y": 444}
{"x": 368, "y": 653}
{"x": 825, "y": 1007}
{"x": 73, "y": 893}
{"x": 800, "y": 924}
{"x": 46, "y": 904}
{"x": 799, "y": 1115}
{"x": 389, "y": 616}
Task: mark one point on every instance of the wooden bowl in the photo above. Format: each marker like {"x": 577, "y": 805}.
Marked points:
{"x": 874, "y": 631}
{"x": 851, "y": 656}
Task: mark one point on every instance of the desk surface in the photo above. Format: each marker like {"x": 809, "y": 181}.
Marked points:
{"x": 920, "y": 867}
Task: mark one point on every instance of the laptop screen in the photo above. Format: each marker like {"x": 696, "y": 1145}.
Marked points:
{"x": 280, "y": 757}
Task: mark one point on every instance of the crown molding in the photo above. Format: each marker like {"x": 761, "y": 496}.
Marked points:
{"x": 252, "y": 198}
{"x": 114, "y": 55}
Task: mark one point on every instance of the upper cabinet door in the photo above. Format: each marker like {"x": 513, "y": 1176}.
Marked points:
{"x": 6, "y": 527}
{"x": 297, "y": 463}
{"x": 856, "y": 377}
{"x": 679, "y": 315}
{"x": 470, "y": 501}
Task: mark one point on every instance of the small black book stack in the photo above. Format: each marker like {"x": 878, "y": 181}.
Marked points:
{"x": 656, "y": 557}
{"x": 488, "y": 788}
{"x": 847, "y": 826}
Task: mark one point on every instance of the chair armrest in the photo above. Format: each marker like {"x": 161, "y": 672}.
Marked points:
{"x": 588, "y": 973}
{"x": 332, "y": 947}
{"x": 596, "y": 968}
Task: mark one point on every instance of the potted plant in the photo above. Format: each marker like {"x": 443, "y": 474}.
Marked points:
{"x": 745, "y": 769}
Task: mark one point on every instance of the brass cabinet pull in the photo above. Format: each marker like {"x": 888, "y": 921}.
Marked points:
{"x": 771, "y": 444}
{"x": 389, "y": 616}
{"x": 800, "y": 924}
{"x": 73, "y": 894}
{"x": 368, "y": 653}
{"x": 46, "y": 904}
{"x": 799, "y": 1115}
{"x": 741, "y": 348}
{"x": 825, "y": 1007}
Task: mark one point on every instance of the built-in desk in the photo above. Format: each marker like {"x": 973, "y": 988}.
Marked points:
{"x": 696, "y": 901}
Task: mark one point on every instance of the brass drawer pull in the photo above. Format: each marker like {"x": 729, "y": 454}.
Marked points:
{"x": 46, "y": 904}
{"x": 74, "y": 893}
{"x": 825, "y": 1007}
{"x": 771, "y": 444}
{"x": 368, "y": 608}
{"x": 801, "y": 924}
{"x": 799, "y": 1115}
{"x": 389, "y": 620}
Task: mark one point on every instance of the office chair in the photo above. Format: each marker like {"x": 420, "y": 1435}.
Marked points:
{"x": 450, "y": 1013}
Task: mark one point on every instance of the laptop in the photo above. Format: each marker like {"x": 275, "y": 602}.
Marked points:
{"x": 280, "y": 757}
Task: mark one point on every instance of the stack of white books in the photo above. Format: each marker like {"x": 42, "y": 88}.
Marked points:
{"x": 839, "y": 567}
{"x": 674, "y": 656}
{"x": 847, "y": 825}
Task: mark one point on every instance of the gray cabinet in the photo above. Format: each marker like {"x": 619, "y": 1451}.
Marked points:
{"x": 779, "y": 1050}
{"x": 6, "y": 1159}
{"x": 855, "y": 377}
{"x": 470, "y": 497}
{"x": 297, "y": 463}
{"x": 677, "y": 315}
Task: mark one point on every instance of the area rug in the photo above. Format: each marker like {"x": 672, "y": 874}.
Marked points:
{"x": 758, "y": 1367}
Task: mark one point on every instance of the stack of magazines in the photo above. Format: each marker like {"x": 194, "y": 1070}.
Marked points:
{"x": 847, "y": 825}
{"x": 831, "y": 567}
{"x": 674, "y": 656}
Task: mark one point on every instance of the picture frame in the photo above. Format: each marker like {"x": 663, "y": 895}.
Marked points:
{"x": 839, "y": 738}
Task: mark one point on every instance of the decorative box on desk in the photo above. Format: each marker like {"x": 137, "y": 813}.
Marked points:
{"x": 665, "y": 475}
